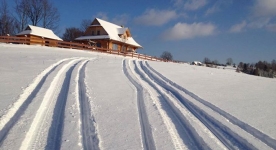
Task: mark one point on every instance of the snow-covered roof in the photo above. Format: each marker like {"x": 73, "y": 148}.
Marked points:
{"x": 39, "y": 31}
{"x": 197, "y": 62}
{"x": 113, "y": 32}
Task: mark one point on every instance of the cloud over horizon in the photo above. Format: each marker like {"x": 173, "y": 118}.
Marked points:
{"x": 264, "y": 8}
{"x": 218, "y": 6}
{"x": 101, "y": 15}
{"x": 238, "y": 27}
{"x": 154, "y": 17}
{"x": 188, "y": 31}
{"x": 195, "y": 4}
{"x": 262, "y": 16}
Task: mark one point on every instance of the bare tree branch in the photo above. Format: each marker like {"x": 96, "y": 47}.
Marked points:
{"x": 37, "y": 12}
{"x": 50, "y": 15}
{"x": 21, "y": 8}
{"x": 7, "y": 22}
{"x": 85, "y": 24}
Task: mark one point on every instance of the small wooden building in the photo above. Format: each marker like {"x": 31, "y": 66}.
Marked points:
{"x": 110, "y": 36}
{"x": 40, "y": 36}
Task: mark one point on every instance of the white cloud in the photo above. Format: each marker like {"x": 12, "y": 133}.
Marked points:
{"x": 212, "y": 10}
{"x": 238, "y": 27}
{"x": 118, "y": 19}
{"x": 178, "y": 3}
{"x": 259, "y": 22}
{"x": 121, "y": 19}
{"x": 102, "y": 16}
{"x": 263, "y": 12}
{"x": 153, "y": 17}
{"x": 189, "y": 31}
{"x": 264, "y": 8}
{"x": 263, "y": 23}
{"x": 218, "y": 6}
{"x": 194, "y": 4}
{"x": 271, "y": 27}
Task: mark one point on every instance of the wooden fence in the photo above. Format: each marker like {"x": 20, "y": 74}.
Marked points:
{"x": 73, "y": 45}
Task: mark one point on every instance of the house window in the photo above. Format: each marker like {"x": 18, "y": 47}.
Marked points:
{"x": 123, "y": 48}
{"x": 98, "y": 32}
{"x": 99, "y": 45}
{"x": 93, "y": 33}
{"x": 114, "y": 46}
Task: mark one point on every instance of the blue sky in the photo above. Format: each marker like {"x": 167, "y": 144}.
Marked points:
{"x": 244, "y": 30}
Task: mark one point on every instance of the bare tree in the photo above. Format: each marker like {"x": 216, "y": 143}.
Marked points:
{"x": 37, "y": 12}
{"x": 166, "y": 55}
{"x": 229, "y": 61}
{"x": 85, "y": 24}
{"x": 273, "y": 63}
{"x": 7, "y": 22}
{"x": 206, "y": 60}
{"x": 21, "y": 8}
{"x": 71, "y": 34}
{"x": 215, "y": 62}
{"x": 50, "y": 15}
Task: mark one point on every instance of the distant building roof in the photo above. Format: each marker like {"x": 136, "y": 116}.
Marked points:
{"x": 196, "y": 63}
{"x": 39, "y": 31}
{"x": 113, "y": 32}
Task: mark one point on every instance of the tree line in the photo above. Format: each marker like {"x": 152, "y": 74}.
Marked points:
{"x": 41, "y": 13}
{"x": 211, "y": 63}
{"x": 261, "y": 68}
{"x": 34, "y": 12}
{"x": 72, "y": 33}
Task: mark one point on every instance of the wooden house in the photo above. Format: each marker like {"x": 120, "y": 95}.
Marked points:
{"x": 39, "y": 36}
{"x": 110, "y": 36}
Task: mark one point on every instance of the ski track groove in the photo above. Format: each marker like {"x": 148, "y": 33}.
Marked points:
{"x": 246, "y": 127}
{"x": 8, "y": 120}
{"x": 228, "y": 137}
{"x": 167, "y": 121}
{"x": 56, "y": 96}
{"x": 51, "y": 95}
{"x": 90, "y": 141}
{"x": 192, "y": 139}
{"x": 146, "y": 132}
{"x": 55, "y": 132}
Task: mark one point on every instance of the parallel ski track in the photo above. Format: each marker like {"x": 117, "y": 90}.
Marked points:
{"x": 55, "y": 131}
{"x": 11, "y": 117}
{"x": 192, "y": 139}
{"x": 228, "y": 137}
{"x": 147, "y": 138}
{"x": 90, "y": 140}
{"x": 54, "y": 100}
{"x": 246, "y": 127}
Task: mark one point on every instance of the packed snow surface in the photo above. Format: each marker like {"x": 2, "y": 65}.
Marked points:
{"x": 53, "y": 98}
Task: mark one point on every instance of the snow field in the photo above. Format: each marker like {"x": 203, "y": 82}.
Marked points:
{"x": 245, "y": 133}
{"x": 174, "y": 106}
{"x": 175, "y": 137}
{"x": 207, "y": 136}
{"x": 159, "y": 122}
{"x": 48, "y": 102}
{"x": 248, "y": 98}
{"x": 72, "y": 120}
{"x": 146, "y": 133}
{"x": 82, "y": 100}
{"x": 114, "y": 105}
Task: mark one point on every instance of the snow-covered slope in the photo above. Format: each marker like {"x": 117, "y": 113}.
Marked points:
{"x": 55, "y": 98}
